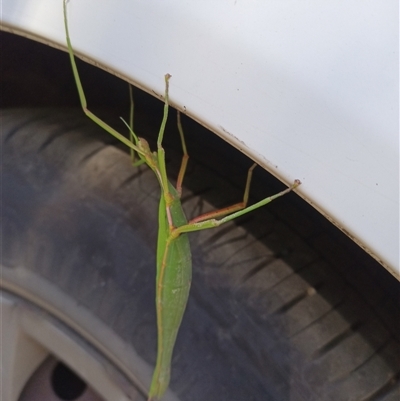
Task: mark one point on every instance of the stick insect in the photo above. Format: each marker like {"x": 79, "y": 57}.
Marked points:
{"x": 174, "y": 265}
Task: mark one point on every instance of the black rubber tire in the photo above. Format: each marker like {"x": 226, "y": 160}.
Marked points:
{"x": 268, "y": 318}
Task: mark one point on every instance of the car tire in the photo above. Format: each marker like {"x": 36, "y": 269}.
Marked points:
{"x": 268, "y": 318}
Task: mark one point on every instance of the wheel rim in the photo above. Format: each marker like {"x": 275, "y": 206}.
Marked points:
{"x": 33, "y": 343}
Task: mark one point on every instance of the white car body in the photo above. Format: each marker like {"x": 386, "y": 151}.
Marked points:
{"x": 308, "y": 89}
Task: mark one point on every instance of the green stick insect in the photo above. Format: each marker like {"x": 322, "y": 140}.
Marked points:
{"x": 174, "y": 264}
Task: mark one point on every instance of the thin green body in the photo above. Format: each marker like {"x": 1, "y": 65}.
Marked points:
{"x": 174, "y": 261}
{"x": 174, "y": 275}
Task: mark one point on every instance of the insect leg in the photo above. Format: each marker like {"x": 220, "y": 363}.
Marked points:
{"x": 160, "y": 149}
{"x": 82, "y": 96}
{"x": 185, "y": 157}
{"x": 230, "y": 209}
{"x": 131, "y": 115}
{"x": 203, "y": 225}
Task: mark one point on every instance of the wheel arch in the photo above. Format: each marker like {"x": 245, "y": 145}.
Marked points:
{"x": 308, "y": 93}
